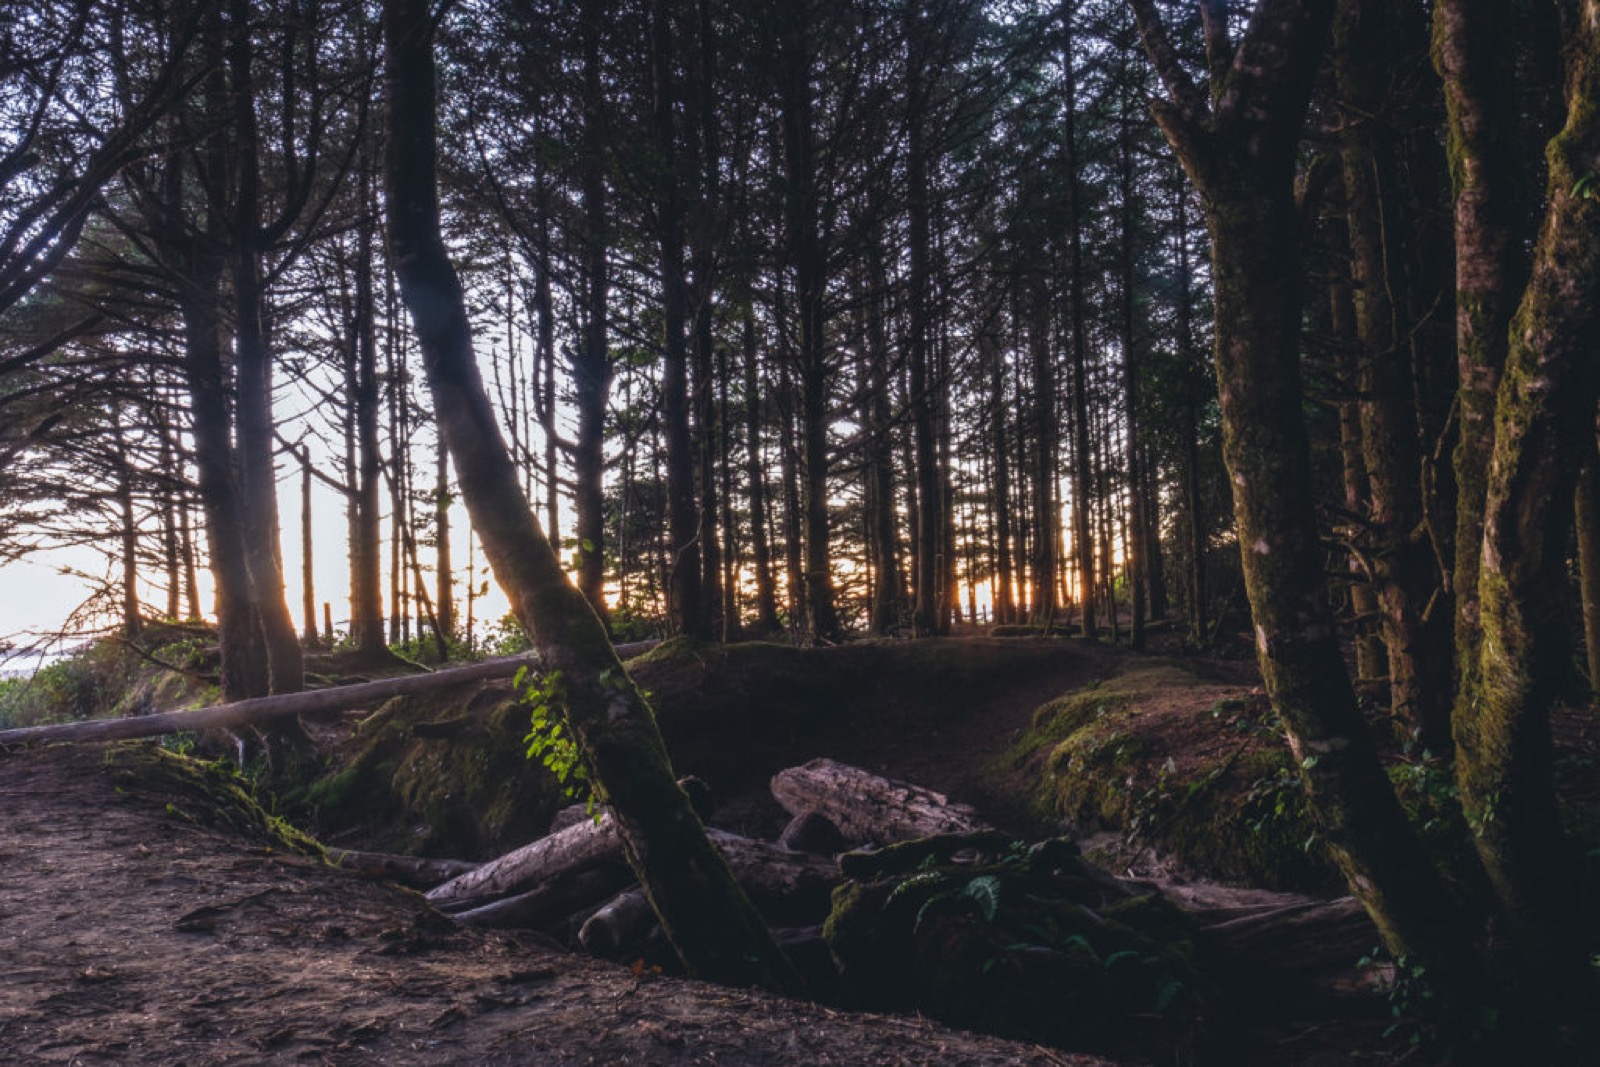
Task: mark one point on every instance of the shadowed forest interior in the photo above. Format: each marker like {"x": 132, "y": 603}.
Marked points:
{"x": 1167, "y": 429}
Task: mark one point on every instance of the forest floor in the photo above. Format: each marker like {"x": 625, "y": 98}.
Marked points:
{"x": 130, "y": 935}
{"x": 132, "y": 931}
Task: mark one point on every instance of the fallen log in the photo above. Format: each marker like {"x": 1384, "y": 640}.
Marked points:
{"x": 550, "y": 902}
{"x": 577, "y": 848}
{"x": 414, "y": 871}
{"x": 259, "y": 710}
{"x": 869, "y": 808}
{"x": 786, "y": 886}
{"x": 622, "y": 920}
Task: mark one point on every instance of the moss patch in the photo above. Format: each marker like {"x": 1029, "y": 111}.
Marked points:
{"x": 466, "y": 789}
{"x": 204, "y": 793}
{"x": 1170, "y": 761}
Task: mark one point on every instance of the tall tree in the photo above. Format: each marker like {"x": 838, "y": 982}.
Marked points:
{"x": 1238, "y": 144}
{"x": 706, "y": 917}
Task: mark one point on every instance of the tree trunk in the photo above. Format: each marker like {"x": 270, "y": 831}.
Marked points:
{"x": 244, "y": 663}
{"x": 444, "y": 610}
{"x": 1239, "y": 148}
{"x": 591, "y": 370}
{"x": 258, "y": 710}
{"x": 879, "y": 457}
{"x": 1544, "y": 416}
{"x": 1005, "y": 608}
{"x": 930, "y": 620}
{"x": 1371, "y": 663}
{"x": 1402, "y": 560}
{"x": 706, "y": 917}
{"x": 705, "y": 224}
{"x": 258, "y": 481}
{"x": 308, "y": 587}
{"x": 1078, "y": 327}
{"x": 366, "y": 562}
{"x": 685, "y": 596}
{"x": 1138, "y": 510}
{"x": 756, "y": 476}
{"x": 1587, "y": 514}
{"x": 1472, "y": 51}
{"x": 809, "y": 260}
{"x": 1046, "y": 528}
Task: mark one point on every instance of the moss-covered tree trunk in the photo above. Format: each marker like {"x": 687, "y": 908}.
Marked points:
{"x": 1544, "y": 416}
{"x": 1476, "y": 65}
{"x": 1238, "y": 144}
{"x": 708, "y": 919}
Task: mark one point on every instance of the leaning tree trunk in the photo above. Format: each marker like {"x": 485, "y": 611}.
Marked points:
{"x": 1238, "y": 146}
{"x": 1544, "y": 416}
{"x": 708, "y": 919}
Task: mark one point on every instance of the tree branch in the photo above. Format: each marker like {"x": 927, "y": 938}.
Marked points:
{"x": 1185, "y": 96}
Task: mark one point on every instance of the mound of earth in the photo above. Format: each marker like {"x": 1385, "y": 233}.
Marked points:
{"x": 133, "y": 932}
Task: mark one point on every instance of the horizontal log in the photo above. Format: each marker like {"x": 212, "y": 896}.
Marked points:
{"x": 578, "y": 847}
{"x": 787, "y": 887}
{"x": 622, "y": 920}
{"x": 870, "y": 808}
{"x": 550, "y": 902}
{"x": 259, "y": 710}
{"x": 418, "y": 872}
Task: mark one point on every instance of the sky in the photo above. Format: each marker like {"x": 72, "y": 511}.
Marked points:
{"x": 39, "y": 593}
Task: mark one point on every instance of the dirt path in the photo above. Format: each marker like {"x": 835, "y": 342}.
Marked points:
{"x": 130, "y": 935}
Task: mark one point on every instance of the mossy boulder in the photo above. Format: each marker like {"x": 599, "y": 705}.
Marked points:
{"x": 1028, "y": 941}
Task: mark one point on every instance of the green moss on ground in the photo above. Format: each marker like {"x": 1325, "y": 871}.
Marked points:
{"x": 1226, "y": 804}
{"x": 205, "y": 793}
{"x": 470, "y": 792}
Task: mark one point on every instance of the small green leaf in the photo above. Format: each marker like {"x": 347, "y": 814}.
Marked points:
{"x": 985, "y": 890}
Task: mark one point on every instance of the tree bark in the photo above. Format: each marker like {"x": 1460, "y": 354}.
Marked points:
{"x": 366, "y": 566}
{"x": 809, "y": 259}
{"x": 1238, "y": 145}
{"x": 591, "y": 360}
{"x": 756, "y": 478}
{"x": 706, "y": 917}
{"x": 685, "y": 598}
{"x": 1475, "y": 59}
{"x": 868, "y": 808}
{"x": 1586, "y": 507}
{"x": 258, "y": 481}
{"x": 1370, "y": 660}
{"x": 1078, "y": 326}
{"x": 1544, "y": 416}
{"x": 1406, "y": 579}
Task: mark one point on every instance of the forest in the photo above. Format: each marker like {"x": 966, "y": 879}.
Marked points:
{"x": 1169, "y": 430}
